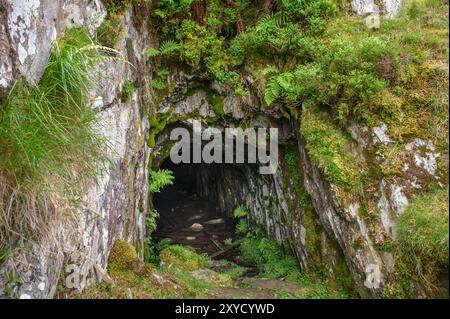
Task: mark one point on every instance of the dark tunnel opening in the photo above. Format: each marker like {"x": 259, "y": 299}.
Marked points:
{"x": 197, "y": 210}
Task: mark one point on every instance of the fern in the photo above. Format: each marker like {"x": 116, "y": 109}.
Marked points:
{"x": 152, "y": 52}
{"x": 277, "y": 86}
{"x": 159, "y": 179}
{"x": 272, "y": 91}
{"x": 169, "y": 48}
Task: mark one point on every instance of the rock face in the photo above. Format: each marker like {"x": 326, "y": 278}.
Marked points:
{"x": 362, "y": 238}
{"x": 116, "y": 204}
{"x": 30, "y": 27}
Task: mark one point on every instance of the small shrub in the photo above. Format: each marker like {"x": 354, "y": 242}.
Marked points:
{"x": 414, "y": 11}
{"x": 152, "y": 52}
{"x": 150, "y": 222}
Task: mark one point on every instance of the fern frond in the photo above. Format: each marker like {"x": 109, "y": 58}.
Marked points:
{"x": 169, "y": 47}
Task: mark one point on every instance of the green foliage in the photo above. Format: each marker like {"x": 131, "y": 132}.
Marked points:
{"x": 242, "y": 226}
{"x": 111, "y": 30}
{"x": 314, "y": 12}
{"x": 182, "y": 257}
{"x": 268, "y": 257}
{"x": 193, "y": 43}
{"x": 138, "y": 280}
{"x": 47, "y": 141}
{"x": 112, "y": 27}
{"x": 322, "y": 57}
{"x": 127, "y": 91}
{"x": 152, "y": 52}
{"x": 116, "y": 6}
{"x": 154, "y": 249}
{"x": 290, "y": 157}
{"x": 11, "y": 282}
{"x": 159, "y": 179}
{"x": 414, "y": 10}
{"x": 312, "y": 288}
{"x": 43, "y": 127}
{"x": 328, "y": 148}
{"x": 235, "y": 271}
{"x": 216, "y": 101}
{"x": 168, "y": 8}
{"x": 169, "y": 48}
{"x": 240, "y": 212}
{"x": 423, "y": 227}
{"x": 122, "y": 256}
{"x": 340, "y": 67}
{"x": 150, "y": 222}
{"x": 160, "y": 82}
{"x": 273, "y": 262}
{"x": 423, "y": 239}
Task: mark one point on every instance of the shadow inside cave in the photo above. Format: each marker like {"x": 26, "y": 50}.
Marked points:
{"x": 189, "y": 214}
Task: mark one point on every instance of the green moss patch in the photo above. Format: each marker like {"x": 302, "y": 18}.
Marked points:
{"x": 182, "y": 257}
{"x": 329, "y": 149}
{"x": 216, "y": 101}
{"x": 135, "y": 279}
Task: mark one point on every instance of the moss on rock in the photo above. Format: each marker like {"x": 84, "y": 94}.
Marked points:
{"x": 122, "y": 256}
{"x": 329, "y": 149}
{"x": 182, "y": 257}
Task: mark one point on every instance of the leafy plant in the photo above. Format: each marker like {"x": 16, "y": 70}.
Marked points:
{"x": 152, "y": 52}
{"x": 242, "y": 227}
{"x": 169, "y": 8}
{"x": 127, "y": 91}
{"x": 268, "y": 257}
{"x": 160, "y": 82}
{"x": 183, "y": 258}
{"x": 240, "y": 212}
{"x": 159, "y": 179}
{"x": 150, "y": 222}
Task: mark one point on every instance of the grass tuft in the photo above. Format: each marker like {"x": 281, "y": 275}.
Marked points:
{"x": 423, "y": 240}
{"x": 47, "y": 137}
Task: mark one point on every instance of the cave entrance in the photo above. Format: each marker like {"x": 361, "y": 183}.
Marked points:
{"x": 197, "y": 210}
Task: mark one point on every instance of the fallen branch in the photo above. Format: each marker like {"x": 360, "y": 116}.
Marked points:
{"x": 225, "y": 251}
